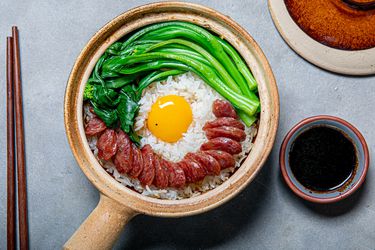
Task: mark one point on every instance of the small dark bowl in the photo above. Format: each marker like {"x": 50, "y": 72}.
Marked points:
{"x": 352, "y": 184}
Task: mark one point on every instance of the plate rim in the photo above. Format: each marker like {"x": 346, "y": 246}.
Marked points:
{"x": 322, "y": 56}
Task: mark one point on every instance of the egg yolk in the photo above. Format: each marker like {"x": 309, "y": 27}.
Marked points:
{"x": 170, "y": 116}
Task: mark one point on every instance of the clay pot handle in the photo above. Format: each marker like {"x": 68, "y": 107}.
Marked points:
{"x": 103, "y": 226}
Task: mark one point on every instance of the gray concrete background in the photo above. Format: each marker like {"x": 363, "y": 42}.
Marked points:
{"x": 264, "y": 216}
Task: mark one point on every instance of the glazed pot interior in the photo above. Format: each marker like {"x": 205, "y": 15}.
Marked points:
{"x": 133, "y": 20}
{"x": 361, "y": 4}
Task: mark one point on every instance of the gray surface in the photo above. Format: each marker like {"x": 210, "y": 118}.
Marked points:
{"x": 265, "y": 216}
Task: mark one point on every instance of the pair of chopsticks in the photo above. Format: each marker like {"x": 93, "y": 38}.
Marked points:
{"x": 15, "y": 128}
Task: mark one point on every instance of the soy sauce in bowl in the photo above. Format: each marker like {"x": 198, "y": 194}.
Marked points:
{"x": 323, "y": 158}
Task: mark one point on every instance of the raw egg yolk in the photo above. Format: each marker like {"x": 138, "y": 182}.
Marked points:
{"x": 170, "y": 116}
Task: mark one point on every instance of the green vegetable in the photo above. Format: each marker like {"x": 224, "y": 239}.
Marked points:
{"x": 186, "y": 52}
{"x": 126, "y": 111}
{"x": 161, "y": 50}
{"x": 129, "y": 90}
{"x": 119, "y": 82}
{"x": 135, "y": 137}
{"x": 108, "y": 116}
{"x": 248, "y": 120}
{"x": 215, "y": 63}
{"x": 203, "y": 38}
{"x": 161, "y": 64}
{"x": 88, "y": 93}
{"x": 104, "y": 96}
{"x": 241, "y": 66}
{"x": 153, "y": 77}
{"x": 248, "y": 105}
{"x": 100, "y": 95}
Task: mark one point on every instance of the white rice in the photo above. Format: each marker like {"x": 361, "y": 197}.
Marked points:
{"x": 200, "y": 96}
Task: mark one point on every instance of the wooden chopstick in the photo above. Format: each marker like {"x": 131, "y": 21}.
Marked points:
{"x": 20, "y": 142}
{"x": 11, "y": 192}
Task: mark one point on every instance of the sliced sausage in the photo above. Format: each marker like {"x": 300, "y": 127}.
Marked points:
{"x": 148, "y": 173}
{"x": 211, "y": 165}
{"x": 176, "y": 176}
{"x": 225, "y": 159}
{"x": 124, "y": 156}
{"x": 224, "y": 121}
{"x": 222, "y": 108}
{"x": 193, "y": 170}
{"x": 107, "y": 144}
{"x": 137, "y": 165}
{"x": 187, "y": 171}
{"x": 224, "y": 144}
{"x": 225, "y": 131}
{"x": 95, "y": 126}
{"x": 161, "y": 174}
{"x": 199, "y": 172}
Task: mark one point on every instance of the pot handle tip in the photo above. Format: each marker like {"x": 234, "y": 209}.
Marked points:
{"x": 103, "y": 226}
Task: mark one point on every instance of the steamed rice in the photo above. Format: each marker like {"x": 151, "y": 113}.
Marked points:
{"x": 200, "y": 96}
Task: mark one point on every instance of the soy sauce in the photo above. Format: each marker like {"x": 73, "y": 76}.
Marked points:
{"x": 322, "y": 158}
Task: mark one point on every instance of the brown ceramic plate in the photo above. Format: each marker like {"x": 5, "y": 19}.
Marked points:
{"x": 117, "y": 203}
{"x": 359, "y": 62}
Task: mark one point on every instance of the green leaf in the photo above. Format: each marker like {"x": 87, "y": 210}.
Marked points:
{"x": 114, "y": 49}
{"x": 127, "y": 111}
{"x": 104, "y": 96}
{"x": 108, "y": 116}
{"x": 135, "y": 137}
{"x": 116, "y": 83}
{"x": 130, "y": 91}
{"x": 109, "y": 74}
